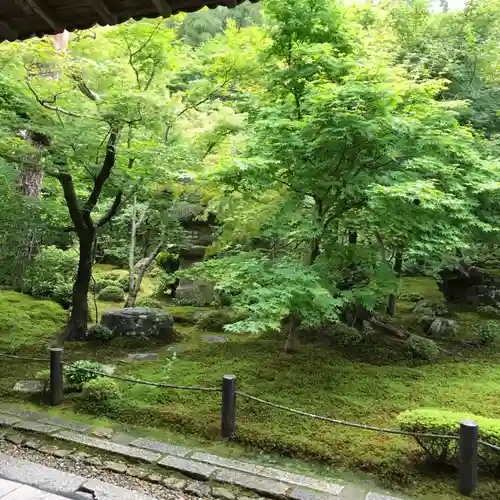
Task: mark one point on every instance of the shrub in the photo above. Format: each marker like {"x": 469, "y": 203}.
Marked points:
{"x": 149, "y": 302}
{"x": 123, "y": 282}
{"x": 489, "y": 312}
{"x": 169, "y": 262}
{"x": 100, "y": 395}
{"x": 435, "y": 421}
{"x": 100, "y": 332}
{"x": 346, "y": 335}
{"x": 163, "y": 285}
{"x": 101, "y": 284}
{"x": 430, "y": 308}
{"x": 77, "y": 373}
{"x": 112, "y": 294}
{"x": 52, "y": 274}
{"x": 422, "y": 348}
{"x": 44, "y": 377}
{"x": 488, "y": 332}
{"x": 411, "y": 297}
{"x": 216, "y": 320}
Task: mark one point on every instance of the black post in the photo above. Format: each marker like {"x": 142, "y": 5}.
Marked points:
{"x": 56, "y": 377}
{"x": 469, "y": 434}
{"x": 228, "y": 413}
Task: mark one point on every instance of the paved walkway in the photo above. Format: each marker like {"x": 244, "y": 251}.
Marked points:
{"x": 9, "y": 490}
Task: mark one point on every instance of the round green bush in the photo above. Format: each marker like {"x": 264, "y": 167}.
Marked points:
{"x": 422, "y": 348}
{"x": 149, "y": 302}
{"x": 411, "y": 297}
{"x": 100, "y": 395}
{"x": 488, "y": 332}
{"x": 77, "y": 373}
{"x": 101, "y": 284}
{"x": 100, "y": 332}
{"x": 345, "y": 335}
{"x": 123, "y": 283}
{"x": 215, "y": 321}
{"x": 169, "y": 262}
{"x": 112, "y": 294}
{"x": 44, "y": 377}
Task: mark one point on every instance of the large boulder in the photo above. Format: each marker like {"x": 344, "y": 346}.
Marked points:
{"x": 443, "y": 328}
{"x": 140, "y": 322}
{"x": 471, "y": 285}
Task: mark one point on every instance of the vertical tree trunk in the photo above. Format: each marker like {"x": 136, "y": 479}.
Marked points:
{"x": 353, "y": 237}
{"x": 398, "y": 265}
{"x": 292, "y": 341}
{"x": 77, "y": 324}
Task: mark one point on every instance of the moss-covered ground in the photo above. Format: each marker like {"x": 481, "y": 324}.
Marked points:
{"x": 370, "y": 384}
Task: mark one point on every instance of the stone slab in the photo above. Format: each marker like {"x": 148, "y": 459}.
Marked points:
{"x": 29, "y": 493}
{"x": 143, "y": 356}
{"x": 378, "y": 496}
{"x": 176, "y": 348}
{"x": 300, "y": 493}
{"x": 36, "y": 427}
{"x": 101, "y": 444}
{"x": 198, "y": 489}
{"x": 214, "y": 339}
{"x": 6, "y": 421}
{"x": 39, "y": 476}
{"x": 188, "y": 467}
{"x": 28, "y": 386}
{"x": 66, "y": 424}
{"x": 105, "y": 491}
{"x": 8, "y": 486}
{"x": 261, "y": 485}
{"x": 227, "y": 463}
{"x": 305, "y": 481}
{"x": 160, "y": 447}
{"x": 20, "y": 412}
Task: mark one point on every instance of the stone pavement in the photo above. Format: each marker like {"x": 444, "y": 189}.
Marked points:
{"x": 170, "y": 465}
{"x": 10, "y": 490}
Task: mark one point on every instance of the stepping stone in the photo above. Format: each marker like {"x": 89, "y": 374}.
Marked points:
{"x": 8, "y": 421}
{"x": 136, "y": 472}
{"x": 143, "y": 356}
{"x": 214, "y": 339}
{"x": 155, "y": 478}
{"x": 160, "y": 447}
{"x": 228, "y": 463}
{"x": 197, "y": 470}
{"x": 65, "y": 424}
{"x": 28, "y": 386}
{"x": 198, "y": 489}
{"x": 261, "y": 485}
{"x": 117, "y": 467}
{"x": 174, "y": 483}
{"x": 377, "y": 496}
{"x": 107, "y": 491}
{"x": 176, "y": 348}
{"x": 103, "y": 432}
{"x": 223, "y": 493}
{"x": 36, "y": 427}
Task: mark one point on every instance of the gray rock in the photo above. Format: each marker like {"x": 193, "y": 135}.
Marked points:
{"x": 143, "y": 356}
{"x": 33, "y": 444}
{"x": 117, "y": 467}
{"x": 61, "y": 453}
{"x": 65, "y": 424}
{"x": 443, "y": 328}
{"x": 80, "y": 456}
{"x": 227, "y": 463}
{"x": 48, "y": 450}
{"x": 223, "y": 493}
{"x": 306, "y": 494}
{"x": 103, "y": 432}
{"x": 305, "y": 481}
{"x": 378, "y": 496}
{"x": 36, "y": 427}
{"x": 140, "y": 322}
{"x": 176, "y": 348}
{"x": 214, "y": 339}
{"x": 6, "y": 421}
{"x": 136, "y": 472}
{"x": 188, "y": 467}
{"x": 155, "y": 478}
{"x": 198, "y": 489}
{"x": 28, "y": 386}
{"x": 39, "y": 476}
{"x": 101, "y": 444}
{"x": 174, "y": 483}
{"x": 93, "y": 461}
{"x": 20, "y": 412}
{"x": 105, "y": 491}
{"x": 261, "y": 485}
{"x": 160, "y": 447}
{"x": 17, "y": 439}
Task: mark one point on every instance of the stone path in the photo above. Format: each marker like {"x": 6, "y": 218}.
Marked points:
{"x": 10, "y": 490}
{"x": 164, "y": 459}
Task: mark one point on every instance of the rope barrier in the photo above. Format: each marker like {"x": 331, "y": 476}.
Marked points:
{"x": 23, "y": 358}
{"x": 488, "y": 445}
{"x": 347, "y": 424}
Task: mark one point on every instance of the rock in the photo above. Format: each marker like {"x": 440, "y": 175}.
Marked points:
{"x": 174, "y": 483}
{"x": 198, "y": 292}
{"x": 136, "y": 472}
{"x": 155, "y": 478}
{"x": 117, "y": 467}
{"x": 140, "y": 322}
{"x": 66, "y": 424}
{"x": 188, "y": 467}
{"x": 430, "y": 308}
{"x": 223, "y": 493}
{"x": 62, "y": 453}
{"x": 227, "y": 463}
{"x": 103, "y": 432}
{"x": 29, "y": 386}
{"x": 17, "y": 439}
{"x": 220, "y": 339}
{"x": 33, "y": 444}
{"x": 159, "y": 446}
{"x": 36, "y": 427}
{"x": 48, "y": 450}
{"x": 93, "y": 461}
{"x": 261, "y": 485}
{"x": 79, "y": 456}
{"x": 471, "y": 285}
{"x": 443, "y": 328}
{"x": 6, "y": 421}
{"x": 426, "y": 322}
{"x": 197, "y": 489}
{"x": 143, "y": 356}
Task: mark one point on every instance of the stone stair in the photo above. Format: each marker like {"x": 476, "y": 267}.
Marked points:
{"x": 159, "y": 457}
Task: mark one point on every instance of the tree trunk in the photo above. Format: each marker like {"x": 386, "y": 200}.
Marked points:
{"x": 292, "y": 341}
{"x": 353, "y": 237}
{"x": 398, "y": 265}
{"x": 76, "y": 328}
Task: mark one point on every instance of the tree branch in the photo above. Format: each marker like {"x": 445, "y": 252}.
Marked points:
{"x": 72, "y": 202}
{"x": 113, "y": 209}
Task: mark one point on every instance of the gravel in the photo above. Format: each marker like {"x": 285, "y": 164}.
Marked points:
{"x": 89, "y": 471}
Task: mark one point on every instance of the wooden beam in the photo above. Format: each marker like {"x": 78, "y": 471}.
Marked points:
{"x": 107, "y": 17}
{"x": 162, "y": 7}
{"x": 43, "y": 10}
{"x": 5, "y": 27}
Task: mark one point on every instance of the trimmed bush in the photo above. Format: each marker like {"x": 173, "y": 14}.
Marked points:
{"x": 101, "y": 284}
{"x": 430, "y": 308}
{"x": 411, "y": 297}
{"x": 112, "y": 294}
{"x": 215, "y": 321}
{"x": 435, "y": 421}
{"x": 422, "y": 348}
{"x": 44, "y": 377}
{"x": 169, "y": 262}
{"x": 488, "y": 332}
{"x": 76, "y": 373}
{"x": 489, "y": 312}
{"x": 100, "y": 395}
{"x": 346, "y": 335}
{"x": 100, "y": 332}
{"x": 149, "y": 302}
